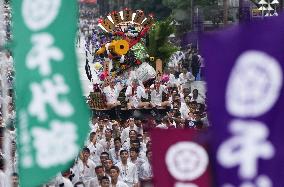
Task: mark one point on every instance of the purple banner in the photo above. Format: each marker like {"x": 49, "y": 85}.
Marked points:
{"x": 246, "y": 101}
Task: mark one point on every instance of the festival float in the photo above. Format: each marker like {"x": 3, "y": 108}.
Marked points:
{"x": 125, "y": 49}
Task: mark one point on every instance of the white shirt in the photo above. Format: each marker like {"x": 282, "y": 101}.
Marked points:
{"x": 138, "y": 163}
{"x": 83, "y": 172}
{"x": 126, "y": 144}
{"x": 107, "y": 145}
{"x": 8, "y": 66}
{"x": 93, "y": 127}
{"x": 67, "y": 182}
{"x": 143, "y": 147}
{"x": 96, "y": 151}
{"x": 92, "y": 183}
{"x": 125, "y": 133}
{"x": 120, "y": 184}
{"x": 172, "y": 80}
{"x": 95, "y": 181}
{"x": 3, "y": 179}
{"x": 112, "y": 94}
{"x": 184, "y": 110}
{"x": 142, "y": 154}
{"x": 186, "y": 78}
{"x": 128, "y": 173}
{"x": 199, "y": 99}
{"x": 100, "y": 134}
{"x": 146, "y": 171}
{"x": 162, "y": 126}
{"x": 157, "y": 96}
{"x": 56, "y": 181}
{"x": 175, "y": 59}
{"x": 135, "y": 99}
{"x": 114, "y": 156}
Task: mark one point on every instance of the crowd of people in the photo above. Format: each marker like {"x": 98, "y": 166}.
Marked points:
{"x": 7, "y": 127}
{"x": 118, "y": 150}
{"x": 169, "y": 93}
{"x": 87, "y": 22}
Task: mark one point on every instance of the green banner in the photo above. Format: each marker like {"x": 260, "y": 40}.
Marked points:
{"x": 52, "y": 116}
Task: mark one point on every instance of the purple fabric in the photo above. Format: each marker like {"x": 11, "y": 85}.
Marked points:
{"x": 224, "y": 52}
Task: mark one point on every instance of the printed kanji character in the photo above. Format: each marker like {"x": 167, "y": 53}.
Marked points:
{"x": 39, "y": 14}
{"x": 61, "y": 146}
{"x": 248, "y": 144}
{"x": 42, "y": 53}
{"x": 50, "y": 92}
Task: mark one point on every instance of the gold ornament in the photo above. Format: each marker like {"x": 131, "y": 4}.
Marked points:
{"x": 119, "y": 47}
{"x": 97, "y": 66}
{"x": 101, "y": 50}
{"x": 113, "y": 74}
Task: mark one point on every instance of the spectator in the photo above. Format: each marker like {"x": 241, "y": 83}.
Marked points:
{"x": 128, "y": 173}
{"x": 146, "y": 174}
{"x": 114, "y": 175}
{"x": 84, "y": 167}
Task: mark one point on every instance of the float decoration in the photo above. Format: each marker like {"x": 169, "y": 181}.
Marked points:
{"x": 159, "y": 46}
{"x": 122, "y": 44}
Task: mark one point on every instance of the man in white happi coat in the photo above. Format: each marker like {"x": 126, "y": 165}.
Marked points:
{"x": 105, "y": 182}
{"x": 107, "y": 141}
{"x": 100, "y": 131}
{"x": 125, "y": 132}
{"x": 114, "y": 152}
{"x": 132, "y": 137}
{"x": 186, "y": 78}
{"x": 157, "y": 91}
{"x": 146, "y": 172}
{"x": 95, "y": 148}
{"x": 114, "y": 175}
{"x": 128, "y": 171}
{"x": 134, "y": 93}
{"x": 134, "y": 159}
{"x": 111, "y": 92}
{"x": 84, "y": 167}
{"x": 3, "y": 176}
{"x": 100, "y": 174}
{"x": 173, "y": 82}
{"x": 184, "y": 107}
{"x": 196, "y": 96}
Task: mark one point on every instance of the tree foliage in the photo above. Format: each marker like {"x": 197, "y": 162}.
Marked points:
{"x": 155, "y": 7}
{"x": 177, "y": 4}
{"x": 158, "y": 43}
{"x": 186, "y": 4}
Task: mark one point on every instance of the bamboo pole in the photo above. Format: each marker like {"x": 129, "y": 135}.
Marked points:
{"x": 159, "y": 68}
